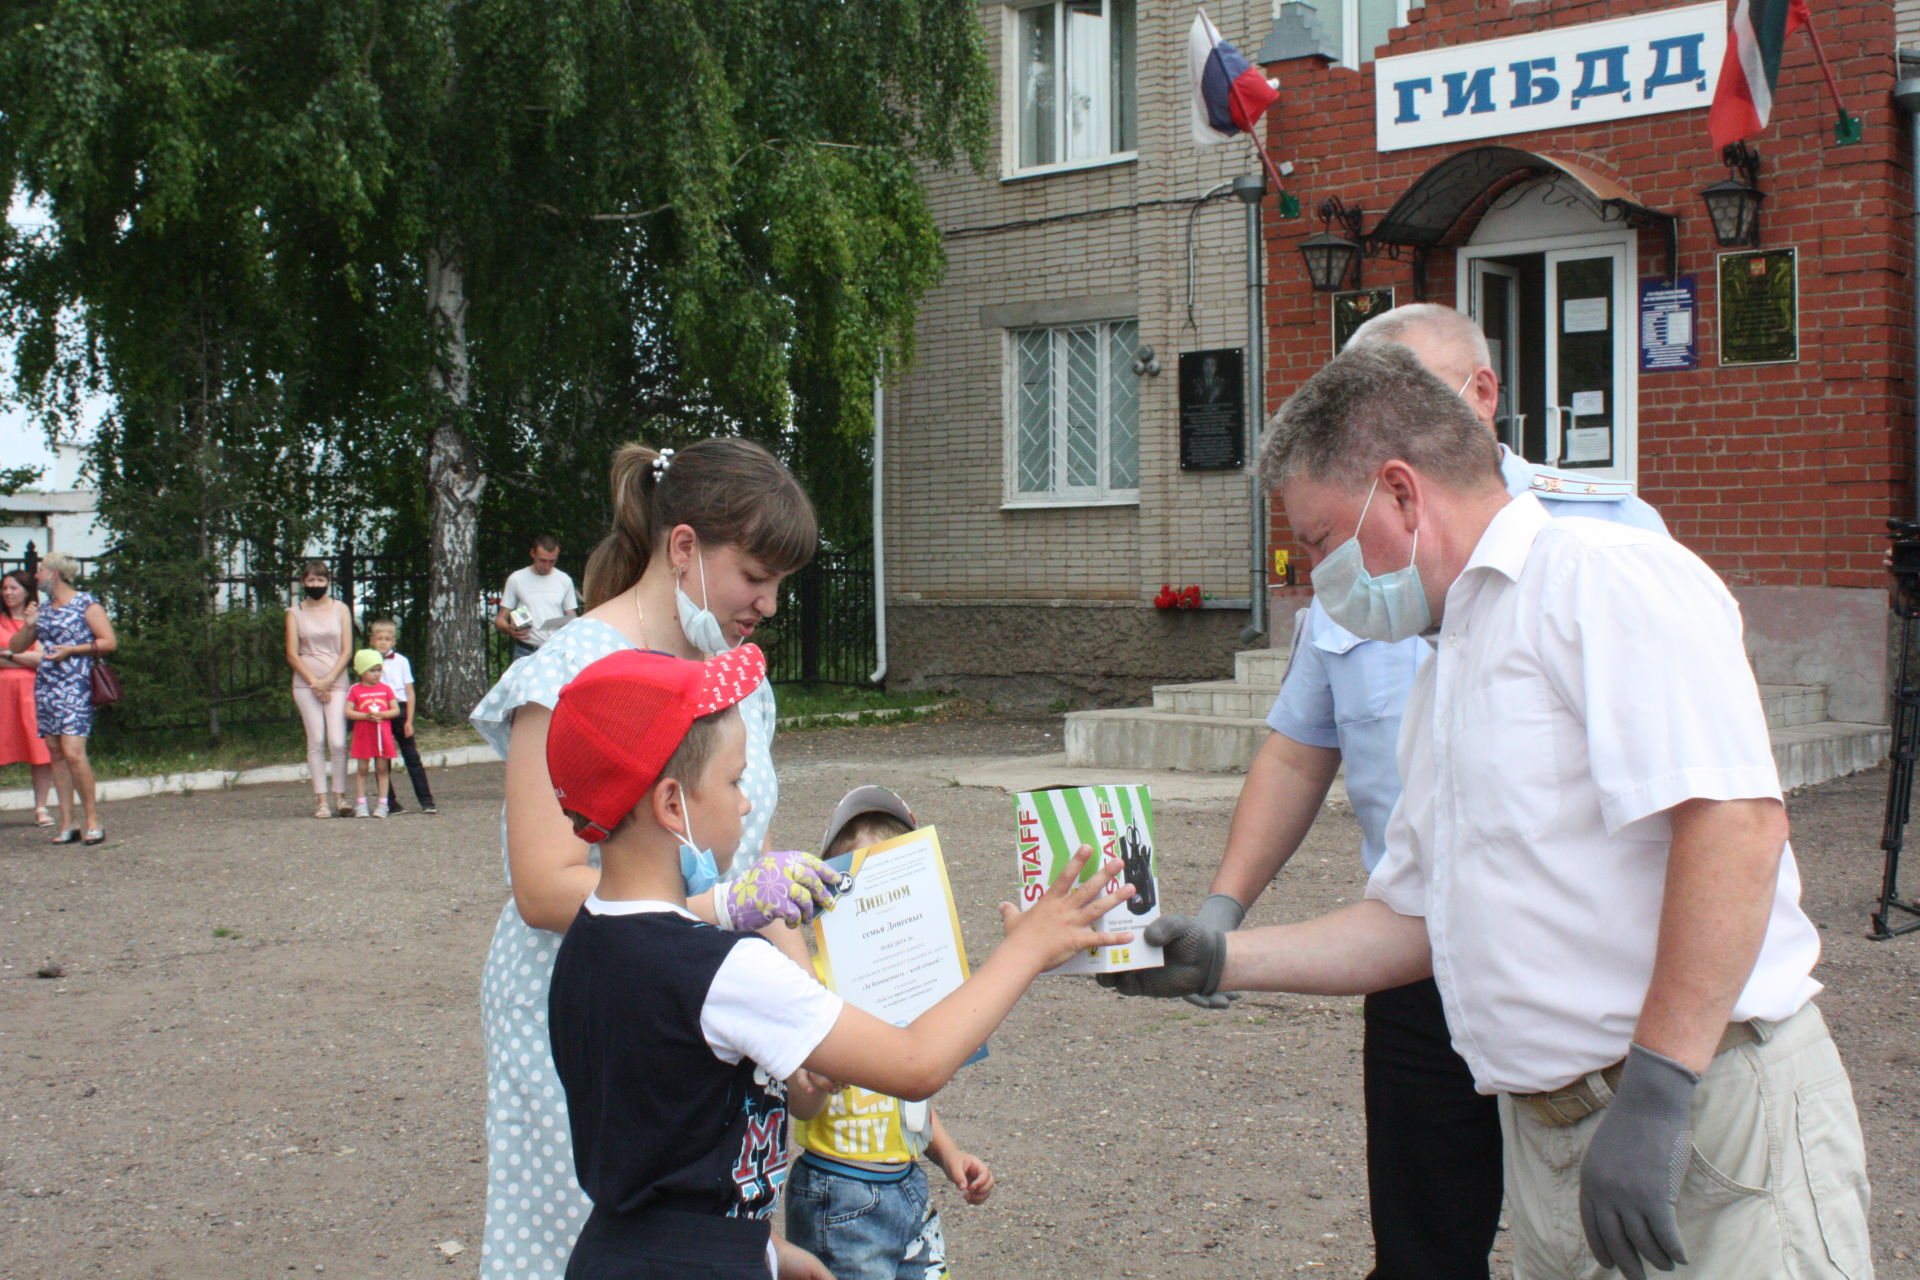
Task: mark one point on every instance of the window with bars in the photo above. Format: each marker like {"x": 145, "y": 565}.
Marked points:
{"x": 1075, "y": 413}
{"x": 1074, "y": 82}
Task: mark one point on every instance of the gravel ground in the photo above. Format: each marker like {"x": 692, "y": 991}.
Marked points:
{"x": 237, "y": 1042}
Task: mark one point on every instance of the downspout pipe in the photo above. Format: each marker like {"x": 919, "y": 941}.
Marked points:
{"x": 1252, "y": 191}
{"x": 1907, "y": 95}
{"x": 879, "y": 672}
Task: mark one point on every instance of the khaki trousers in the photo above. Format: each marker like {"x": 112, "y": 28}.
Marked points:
{"x": 1777, "y": 1184}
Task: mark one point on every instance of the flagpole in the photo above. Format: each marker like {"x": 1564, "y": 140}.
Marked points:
{"x": 1847, "y": 128}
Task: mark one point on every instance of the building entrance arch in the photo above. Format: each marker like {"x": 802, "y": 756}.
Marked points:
{"x": 1550, "y": 281}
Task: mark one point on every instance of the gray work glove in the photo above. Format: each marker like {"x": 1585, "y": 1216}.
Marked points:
{"x": 1224, "y": 912}
{"x": 1195, "y": 953}
{"x": 1632, "y": 1170}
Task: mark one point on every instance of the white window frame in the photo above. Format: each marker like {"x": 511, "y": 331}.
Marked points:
{"x": 1061, "y": 494}
{"x": 1011, "y": 115}
{"x": 1351, "y": 55}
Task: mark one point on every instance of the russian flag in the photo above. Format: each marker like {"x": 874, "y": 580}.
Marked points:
{"x": 1229, "y": 93}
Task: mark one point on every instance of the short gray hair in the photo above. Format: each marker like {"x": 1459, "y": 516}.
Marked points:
{"x": 1451, "y": 327}
{"x": 63, "y": 564}
{"x": 1369, "y": 406}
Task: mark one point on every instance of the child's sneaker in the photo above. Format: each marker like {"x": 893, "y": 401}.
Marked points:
{"x": 429, "y": 807}
{"x": 360, "y": 808}
{"x": 380, "y": 809}
{"x": 395, "y": 807}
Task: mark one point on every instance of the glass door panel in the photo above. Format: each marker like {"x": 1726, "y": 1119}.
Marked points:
{"x": 1586, "y": 361}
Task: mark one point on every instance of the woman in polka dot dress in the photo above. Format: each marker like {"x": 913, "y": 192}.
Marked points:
{"x": 702, "y": 538}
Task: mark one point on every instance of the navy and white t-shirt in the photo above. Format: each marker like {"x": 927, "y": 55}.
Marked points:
{"x": 673, "y": 1040}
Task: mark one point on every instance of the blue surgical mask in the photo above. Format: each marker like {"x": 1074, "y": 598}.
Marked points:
{"x": 1390, "y": 607}
{"x": 697, "y": 866}
{"x": 697, "y": 622}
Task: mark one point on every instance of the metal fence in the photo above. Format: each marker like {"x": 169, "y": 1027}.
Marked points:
{"x": 232, "y": 669}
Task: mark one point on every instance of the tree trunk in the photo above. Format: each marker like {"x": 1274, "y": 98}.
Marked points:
{"x": 456, "y": 658}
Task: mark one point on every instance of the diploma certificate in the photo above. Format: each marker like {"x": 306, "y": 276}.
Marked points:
{"x": 890, "y": 944}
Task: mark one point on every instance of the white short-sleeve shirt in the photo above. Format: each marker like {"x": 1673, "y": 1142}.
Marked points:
{"x": 1587, "y": 678}
{"x": 548, "y": 597}
{"x": 396, "y": 673}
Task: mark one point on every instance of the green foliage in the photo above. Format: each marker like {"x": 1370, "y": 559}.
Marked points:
{"x": 671, "y": 219}
{"x": 183, "y": 666}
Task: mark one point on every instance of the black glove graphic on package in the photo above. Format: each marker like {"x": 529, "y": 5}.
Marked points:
{"x": 1194, "y": 955}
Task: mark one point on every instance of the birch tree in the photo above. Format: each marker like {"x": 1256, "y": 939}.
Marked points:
{"x": 486, "y": 223}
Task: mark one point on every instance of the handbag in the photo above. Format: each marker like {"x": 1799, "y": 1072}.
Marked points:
{"x": 106, "y": 685}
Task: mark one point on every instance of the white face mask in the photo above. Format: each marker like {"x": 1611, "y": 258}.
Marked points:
{"x": 1390, "y": 607}
{"x": 697, "y": 622}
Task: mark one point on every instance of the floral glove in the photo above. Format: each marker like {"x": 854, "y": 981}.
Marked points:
{"x": 787, "y": 885}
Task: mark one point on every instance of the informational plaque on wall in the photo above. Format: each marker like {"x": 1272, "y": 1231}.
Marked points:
{"x": 1212, "y": 416}
{"x": 1759, "y": 307}
{"x": 1668, "y": 309}
{"x": 1351, "y": 310}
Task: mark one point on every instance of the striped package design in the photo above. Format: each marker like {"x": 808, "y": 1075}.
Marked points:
{"x": 1117, "y": 820}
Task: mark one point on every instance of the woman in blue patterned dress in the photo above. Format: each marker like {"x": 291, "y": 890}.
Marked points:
{"x": 73, "y": 630}
{"x": 701, "y": 541}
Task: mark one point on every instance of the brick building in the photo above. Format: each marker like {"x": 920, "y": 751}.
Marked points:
{"x": 1538, "y": 165}
{"x": 1034, "y": 502}
{"x": 1778, "y": 460}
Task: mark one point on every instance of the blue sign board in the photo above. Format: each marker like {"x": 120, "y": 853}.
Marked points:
{"x": 1669, "y": 328}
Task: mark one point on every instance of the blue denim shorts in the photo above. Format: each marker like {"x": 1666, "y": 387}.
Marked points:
{"x": 866, "y": 1230}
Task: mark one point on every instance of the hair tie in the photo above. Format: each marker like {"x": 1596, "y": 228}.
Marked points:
{"x": 661, "y": 464}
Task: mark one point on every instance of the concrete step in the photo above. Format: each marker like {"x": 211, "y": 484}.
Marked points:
{"x": 1811, "y": 753}
{"x": 1787, "y": 705}
{"x": 1261, "y": 666}
{"x": 1793, "y": 704}
{"x": 1223, "y": 698}
{"x": 1142, "y": 738}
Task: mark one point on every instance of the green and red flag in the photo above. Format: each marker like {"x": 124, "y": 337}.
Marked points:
{"x": 1743, "y": 100}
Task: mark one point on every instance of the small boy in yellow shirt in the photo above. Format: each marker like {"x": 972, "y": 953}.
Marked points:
{"x": 856, "y": 1195}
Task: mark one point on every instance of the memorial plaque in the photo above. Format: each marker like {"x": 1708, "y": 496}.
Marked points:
{"x": 1759, "y": 307}
{"x": 1212, "y": 422}
{"x": 1351, "y": 310}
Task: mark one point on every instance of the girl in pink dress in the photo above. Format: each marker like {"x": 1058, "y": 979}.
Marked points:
{"x": 371, "y": 708}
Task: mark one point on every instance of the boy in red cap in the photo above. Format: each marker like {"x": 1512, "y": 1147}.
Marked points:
{"x": 675, "y": 1039}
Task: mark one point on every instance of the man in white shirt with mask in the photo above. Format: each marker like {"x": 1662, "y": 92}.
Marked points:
{"x": 1588, "y": 854}
{"x": 1433, "y": 1141}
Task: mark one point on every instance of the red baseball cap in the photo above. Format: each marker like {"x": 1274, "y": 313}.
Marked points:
{"x": 621, "y": 719}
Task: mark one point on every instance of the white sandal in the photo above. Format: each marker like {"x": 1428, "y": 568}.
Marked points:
{"x": 40, "y": 816}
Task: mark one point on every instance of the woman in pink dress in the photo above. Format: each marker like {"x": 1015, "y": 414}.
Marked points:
{"x": 20, "y": 740}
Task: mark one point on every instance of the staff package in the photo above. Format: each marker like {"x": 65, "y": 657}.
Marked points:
{"x": 1118, "y": 822}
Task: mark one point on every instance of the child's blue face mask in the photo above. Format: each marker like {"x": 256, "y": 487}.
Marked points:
{"x": 697, "y": 866}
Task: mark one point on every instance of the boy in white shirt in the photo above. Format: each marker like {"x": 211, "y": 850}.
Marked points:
{"x": 397, "y": 674}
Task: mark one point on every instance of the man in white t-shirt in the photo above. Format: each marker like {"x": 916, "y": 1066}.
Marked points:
{"x": 538, "y": 600}
{"x": 1588, "y": 856}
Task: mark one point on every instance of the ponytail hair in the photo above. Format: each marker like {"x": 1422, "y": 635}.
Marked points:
{"x": 732, "y": 492}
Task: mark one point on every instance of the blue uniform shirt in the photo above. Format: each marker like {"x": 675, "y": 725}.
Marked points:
{"x": 1348, "y": 693}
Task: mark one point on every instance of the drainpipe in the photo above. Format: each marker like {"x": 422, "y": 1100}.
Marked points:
{"x": 1907, "y": 94}
{"x": 1252, "y": 190}
{"x": 879, "y": 540}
